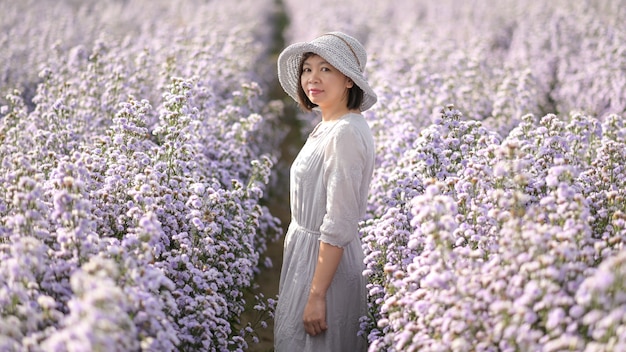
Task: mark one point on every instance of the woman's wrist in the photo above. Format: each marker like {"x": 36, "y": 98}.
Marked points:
{"x": 317, "y": 293}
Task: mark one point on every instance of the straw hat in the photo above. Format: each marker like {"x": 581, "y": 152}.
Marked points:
{"x": 342, "y": 51}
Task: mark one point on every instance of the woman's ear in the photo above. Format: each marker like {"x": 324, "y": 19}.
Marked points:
{"x": 349, "y": 83}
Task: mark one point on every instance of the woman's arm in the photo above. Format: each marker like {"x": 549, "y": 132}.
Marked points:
{"x": 344, "y": 163}
{"x": 315, "y": 311}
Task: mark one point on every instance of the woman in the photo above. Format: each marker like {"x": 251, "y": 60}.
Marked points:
{"x": 322, "y": 290}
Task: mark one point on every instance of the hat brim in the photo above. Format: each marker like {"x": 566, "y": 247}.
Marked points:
{"x": 289, "y": 66}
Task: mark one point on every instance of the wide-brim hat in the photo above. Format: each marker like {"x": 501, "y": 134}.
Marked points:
{"x": 342, "y": 51}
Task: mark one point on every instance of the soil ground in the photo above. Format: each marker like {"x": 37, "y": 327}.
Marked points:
{"x": 278, "y": 197}
{"x": 278, "y": 204}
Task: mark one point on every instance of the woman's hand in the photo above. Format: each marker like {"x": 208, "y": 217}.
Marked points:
{"x": 314, "y": 317}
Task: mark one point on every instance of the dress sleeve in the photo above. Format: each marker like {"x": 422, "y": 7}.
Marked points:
{"x": 344, "y": 162}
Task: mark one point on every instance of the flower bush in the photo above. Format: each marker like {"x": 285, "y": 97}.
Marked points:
{"x": 493, "y": 254}
{"x": 133, "y": 174}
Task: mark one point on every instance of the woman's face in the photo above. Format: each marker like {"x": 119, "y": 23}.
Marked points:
{"x": 323, "y": 84}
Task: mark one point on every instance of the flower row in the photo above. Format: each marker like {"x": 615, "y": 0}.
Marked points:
{"x": 135, "y": 153}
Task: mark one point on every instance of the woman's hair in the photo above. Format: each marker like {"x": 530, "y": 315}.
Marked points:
{"x": 355, "y": 94}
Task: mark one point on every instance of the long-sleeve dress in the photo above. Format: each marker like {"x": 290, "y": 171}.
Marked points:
{"x": 329, "y": 181}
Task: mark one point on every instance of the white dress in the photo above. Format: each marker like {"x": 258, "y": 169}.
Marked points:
{"x": 329, "y": 182}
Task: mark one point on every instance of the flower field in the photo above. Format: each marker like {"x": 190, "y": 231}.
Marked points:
{"x": 134, "y": 159}
{"x": 138, "y": 145}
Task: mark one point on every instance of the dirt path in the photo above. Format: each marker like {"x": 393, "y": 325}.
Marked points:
{"x": 278, "y": 203}
{"x": 278, "y": 196}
